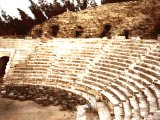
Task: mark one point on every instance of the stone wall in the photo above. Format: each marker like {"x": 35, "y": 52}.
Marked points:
{"x": 139, "y": 18}
{"x": 18, "y": 51}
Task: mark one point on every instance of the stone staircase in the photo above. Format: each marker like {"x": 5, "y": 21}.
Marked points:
{"x": 124, "y": 73}
{"x": 19, "y": 51}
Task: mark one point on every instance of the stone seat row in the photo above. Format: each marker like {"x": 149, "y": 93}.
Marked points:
{"x": 133, "y": 92}
{"x": 150, "y": 66}
{"x": 146, "y": 41}
{"x": 128, "y": 89}
{"x": 144, "y": 82}
{"x": 91, "y": 87}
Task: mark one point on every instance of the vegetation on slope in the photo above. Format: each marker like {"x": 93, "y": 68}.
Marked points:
{"x": 42, "y": 11}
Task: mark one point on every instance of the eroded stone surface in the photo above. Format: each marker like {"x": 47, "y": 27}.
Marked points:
{"x": 122, "y": 73}
{"x": 136, "y": 18}
{"x": 43, "y": 95}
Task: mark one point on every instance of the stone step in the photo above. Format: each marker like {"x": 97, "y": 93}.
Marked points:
{"x": 103, "y": 112}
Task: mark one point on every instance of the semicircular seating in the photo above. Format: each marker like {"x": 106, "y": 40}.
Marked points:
{"x": 121, "y": 76}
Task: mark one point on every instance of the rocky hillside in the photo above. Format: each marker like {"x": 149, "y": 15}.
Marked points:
{"x": 133, "y": 18}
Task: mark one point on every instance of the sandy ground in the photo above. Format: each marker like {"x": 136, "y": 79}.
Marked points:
{"x": 92, "y": 116}
{"x": 29, "y": 110}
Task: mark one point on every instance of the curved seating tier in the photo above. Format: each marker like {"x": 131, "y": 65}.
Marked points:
{"x": 123, "y": 76}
